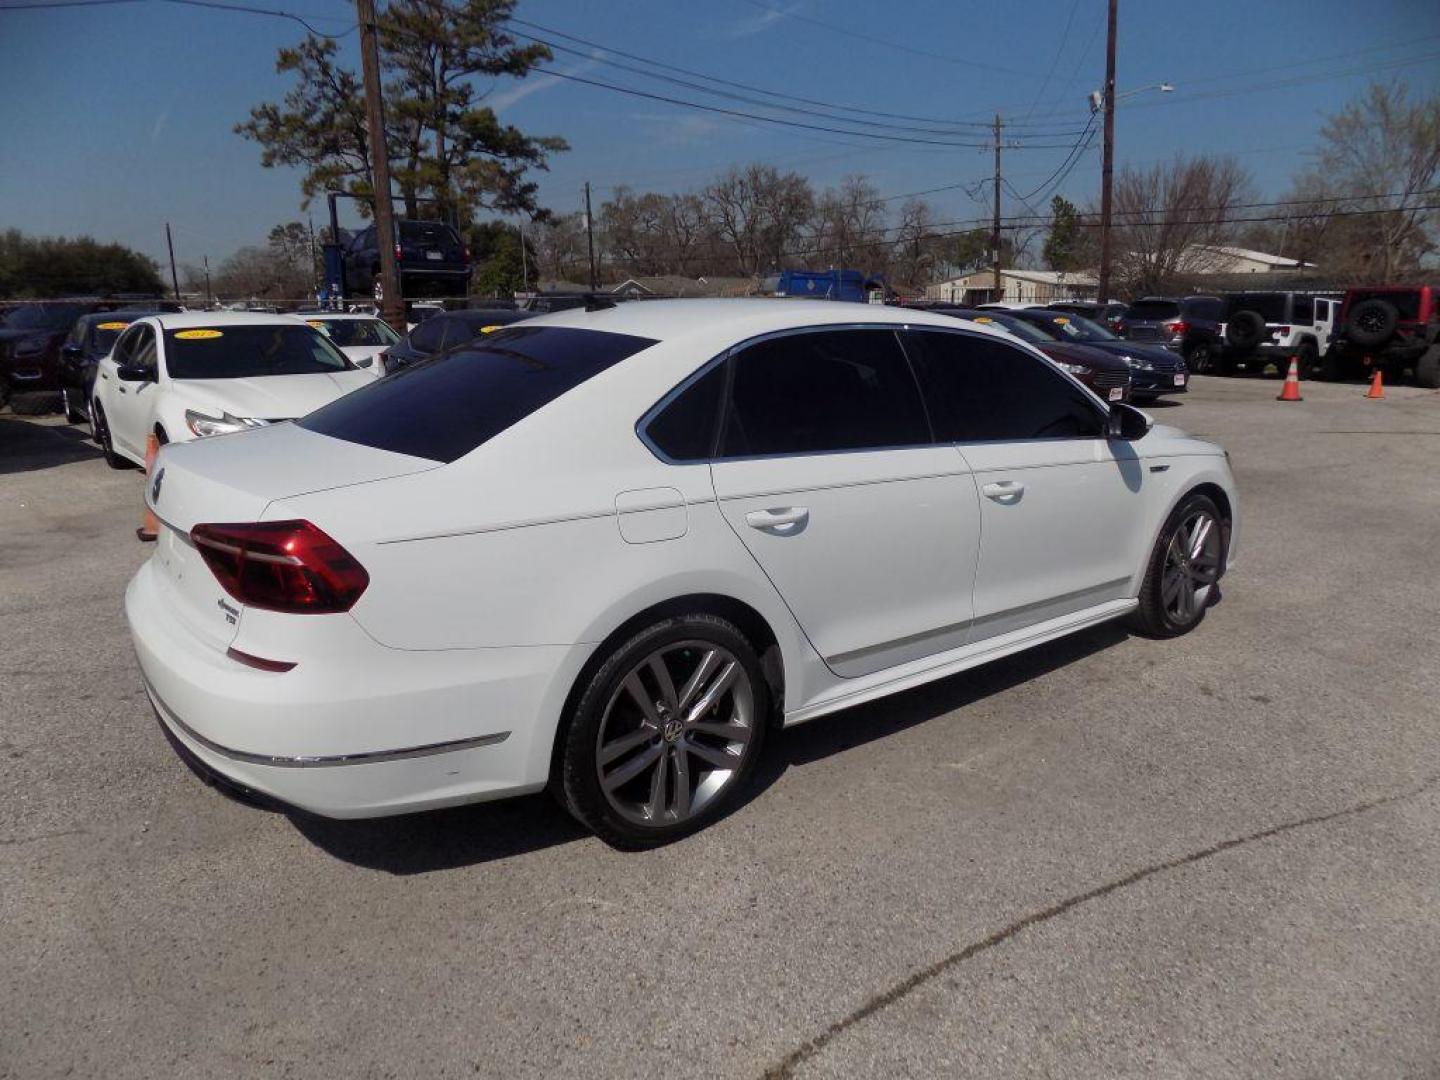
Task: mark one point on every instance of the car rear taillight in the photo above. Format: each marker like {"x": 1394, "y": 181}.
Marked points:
{"x": 467, "y": 254}
{"x": 1177, "y": 327}
{"x": 289, "y": 566}
{"x": 399, "y": 254}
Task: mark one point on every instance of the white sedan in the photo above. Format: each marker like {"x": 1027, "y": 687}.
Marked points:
{"x": 604, "y": 551}
{"x": 182, "y": 377}
{"x": 363, "y": 338}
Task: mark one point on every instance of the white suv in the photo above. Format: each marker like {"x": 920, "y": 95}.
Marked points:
{"x": 1272, "y": 327}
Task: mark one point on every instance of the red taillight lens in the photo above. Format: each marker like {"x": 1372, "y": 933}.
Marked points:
{"x": 287, "y": 566}
{"x": 398, "y": 253}
{"x": 467, "y": 254}
{"x": 1176, "y": 327}
{"x": 1118, "y": 325}
{"x": 1282, "y": 330}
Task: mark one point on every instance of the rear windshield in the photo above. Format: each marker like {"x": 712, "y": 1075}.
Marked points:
{"x": 443, "y": 408}
{"x": 1152, "y": 310}
{"x": 428, "y": 232}
{"x": 250, "y": 351}
{"x": 1270, "y": 306}
{"x": 1019, "y": 327}
{"x": 42, "y": 317}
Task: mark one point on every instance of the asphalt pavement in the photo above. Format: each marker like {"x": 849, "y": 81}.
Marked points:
{"x": 1216, "y": 856}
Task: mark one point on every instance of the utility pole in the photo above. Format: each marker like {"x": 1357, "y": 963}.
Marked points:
{"x": 1107, "y": 168}
{"x": 995, "y": 228}
{"x": 314, "y": 276}
{"x": 392, "y": 305}
{"x": 590, "y": 238}
{"x": 524, "y": 259}
{"x": 174, "y": 278}
{"x": 209, "y": 296}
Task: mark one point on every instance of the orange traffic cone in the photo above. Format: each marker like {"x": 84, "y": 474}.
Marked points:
{"x": 149, "y": 525}
{"x": 1291, "y": 390}
{"x": 1377, "y": 387}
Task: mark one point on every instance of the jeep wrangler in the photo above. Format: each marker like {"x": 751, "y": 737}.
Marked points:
{"x": 1264, "y": 327}
{"x": 1389, "y": 327}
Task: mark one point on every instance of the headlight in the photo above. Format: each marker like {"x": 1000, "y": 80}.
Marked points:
{"x": 202, "y": 424}
{"x": 1135, "y": 362}
{"x": 1074, "y": 369}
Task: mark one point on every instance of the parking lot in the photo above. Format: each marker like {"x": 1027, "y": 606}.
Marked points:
{"x": 1110, "y": 856}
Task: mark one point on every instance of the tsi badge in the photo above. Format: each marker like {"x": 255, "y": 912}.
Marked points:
{"x": 155, "y": 487}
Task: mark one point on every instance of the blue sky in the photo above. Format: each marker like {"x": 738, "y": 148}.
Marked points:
{"x": 119, "y": 118}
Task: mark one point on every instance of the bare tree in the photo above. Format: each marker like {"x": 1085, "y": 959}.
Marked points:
{"x": 1170, "y": 218}
{"x": 559, "y": 246}
{"x": 848, "y": 226}
{"x": 759, "y": 215}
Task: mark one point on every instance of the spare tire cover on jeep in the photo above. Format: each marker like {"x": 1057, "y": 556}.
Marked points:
{"x": 1244, "y": 329}
{"x": 1372, "y": 322}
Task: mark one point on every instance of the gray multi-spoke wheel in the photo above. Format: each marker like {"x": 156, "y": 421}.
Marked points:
{"x": 1182, "y": 576}
{"x": 666, "y": 732}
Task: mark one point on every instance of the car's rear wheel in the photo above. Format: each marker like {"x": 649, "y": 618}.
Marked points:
{"x": 101, "y": 428}
{"x": 1332, "y": 366}
{"x": 1200, "y": 358}
{"x": 665, "y": 733}
{"x": 1183, "y": 574}
{"x": 72, "y": 415}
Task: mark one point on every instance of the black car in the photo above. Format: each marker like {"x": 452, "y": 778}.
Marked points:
{"x": 1153, "y": 370}
{"x": 1189, "y": 325}
{"x": 1109, "y": 314}
{"x": 88, "y": 343}
{"x": 445, "y": 331}
{"x": 433, "y": 261}
{"x": 30, "y": 339}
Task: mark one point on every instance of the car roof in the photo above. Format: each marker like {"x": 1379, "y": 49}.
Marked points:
{"x": 334, "y": 316}
{"x": 200, "y": 319}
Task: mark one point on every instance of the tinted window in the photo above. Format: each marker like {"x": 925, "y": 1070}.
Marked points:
{"x": 250, "y": 351}
{"x": 1208, "y": 307}
{"x": 1152, "y": 310}
{"x": 816, "y": 392}
{"x": 356, "y": 332}
{"x": 684, "y": 430}
{"x": 1304, "y": 309}
{"x": 427, "y": 336}
{"x": 1269, "y": 306}
{"x": 979, "y": 389}
{"x": 143, "y": 350}
{"x": 125, "y": 346}
{"x": 446, "y": 407}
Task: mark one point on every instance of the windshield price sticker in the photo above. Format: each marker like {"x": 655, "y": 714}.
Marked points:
{"x": 197, "y": 335}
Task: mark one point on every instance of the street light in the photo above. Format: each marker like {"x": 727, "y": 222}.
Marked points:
{"x": 1097, "y": 97}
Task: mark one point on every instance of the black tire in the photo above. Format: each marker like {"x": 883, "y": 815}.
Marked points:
{"x": 102, "y": 436}
{"x": 34, "y": 404}
{"x": 1245, "y": 329}
{"x": 1161, "y": 615}
{"x": 1332, "y": 366}
{"x": 1309, "y": 360}
{"x": 72, "y": 416}
{"x": 577, "y": 781}
{"x": 1427, "y": 369}
{"x": 1372, "y": 323}
{"x": 1200, "y": 358}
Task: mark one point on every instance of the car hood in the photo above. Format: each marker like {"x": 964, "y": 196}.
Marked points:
{"x": 1161, "y": 358}
{"x": 21, "y": 335}
{"x": 270, "y": 397}
{"x": 1071, "y": 353}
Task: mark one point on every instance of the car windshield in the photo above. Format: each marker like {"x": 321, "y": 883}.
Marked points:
{"x": 42, "y": 316}
{"x": 250, "y": 351}
{"x": 1064, "y": 326}
{"x": 1152, "y": 311}
{"x": 348, "y": 333}
{"x": 1019, "y": 327}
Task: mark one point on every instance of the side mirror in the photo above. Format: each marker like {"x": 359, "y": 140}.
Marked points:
{"x": 368, "y": 361}
{"x": 135, "y": 373}
{"x": 70, "y": 351}
{"x": 1127, "y": 423}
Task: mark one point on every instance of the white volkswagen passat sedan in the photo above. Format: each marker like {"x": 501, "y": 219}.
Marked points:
{"x": 362, "y": 338}
{"x": 182, "y": 377}
{"x": 605, "y": 550}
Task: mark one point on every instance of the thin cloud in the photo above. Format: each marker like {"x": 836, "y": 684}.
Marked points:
{"x": 756, "y": 24}
{"x": 159, "y": 125}
{"x": 525, "y": 88}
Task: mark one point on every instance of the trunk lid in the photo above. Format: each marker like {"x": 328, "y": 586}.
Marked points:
{"x": 233, "y": 478}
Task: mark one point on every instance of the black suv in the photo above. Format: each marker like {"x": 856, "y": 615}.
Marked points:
{"x": 433, "y": 260}
{"x": 1272, "y": 326}
{"x": 1189, "y": 325}
{"x": 1389, "y": 327}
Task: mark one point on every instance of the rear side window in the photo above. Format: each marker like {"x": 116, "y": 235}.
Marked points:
{"x": 1152, "y": 310}
{"x": 1208, "y": 307}
{"x": 820, "y": 392}
{"x": 1304, "y": 310}
{"x": 979, "y": 389}
{"x": 683, "y": 429}
{"x": 446, "y": 407}
{"x": 427, "y": 336}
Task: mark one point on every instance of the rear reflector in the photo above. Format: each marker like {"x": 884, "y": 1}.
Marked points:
{"x": 289, "y": 566}
{"x": 259, "y": 661}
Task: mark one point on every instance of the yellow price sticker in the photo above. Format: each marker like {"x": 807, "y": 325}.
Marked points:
{"x": 984, "y": 318}
{"x": 315, "y": 323}
{"x": 197, "y": 335}
{"x": 112, "y": 326}
{"x": 1060, "y": 320}
{"x": 490, "y": 329}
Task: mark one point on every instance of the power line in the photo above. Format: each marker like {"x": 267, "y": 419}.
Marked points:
{"x": 31, "y": 5}
{"x": 1059, "y": 51}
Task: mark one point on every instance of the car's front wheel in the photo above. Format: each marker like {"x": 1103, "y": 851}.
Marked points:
{"x": 666, "y": 733}
{"x": 101, "y": 429}
{"x": 1183, "y": 574}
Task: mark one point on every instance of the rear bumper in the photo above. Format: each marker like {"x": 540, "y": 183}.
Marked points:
{"x": 361, "y": 730}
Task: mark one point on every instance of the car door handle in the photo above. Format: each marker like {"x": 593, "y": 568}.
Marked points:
{"x": 122, "y": 389}
{"x": 1003, "y": 490}
{"x": 779, "y": 518}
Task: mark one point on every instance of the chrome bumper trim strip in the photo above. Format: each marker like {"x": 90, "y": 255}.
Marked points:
{"x": 371, "y": 757}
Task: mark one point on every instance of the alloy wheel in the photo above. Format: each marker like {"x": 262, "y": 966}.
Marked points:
{"x": 675, "y": 733}
{"x": 1192, "y": 566}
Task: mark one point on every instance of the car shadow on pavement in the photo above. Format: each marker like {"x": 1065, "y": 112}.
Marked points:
{"x": 480, "y": 833}
{"x": 27, "y": 446}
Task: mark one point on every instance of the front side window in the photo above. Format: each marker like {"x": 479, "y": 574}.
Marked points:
{"x": 445, "y": 408}
{"x": 822, "y": 391}
{"x": 142, "y": 353}
{"x": 981, "y": 389}
{"x": 250, "y": 351}
{"x": 348, "y": 333}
